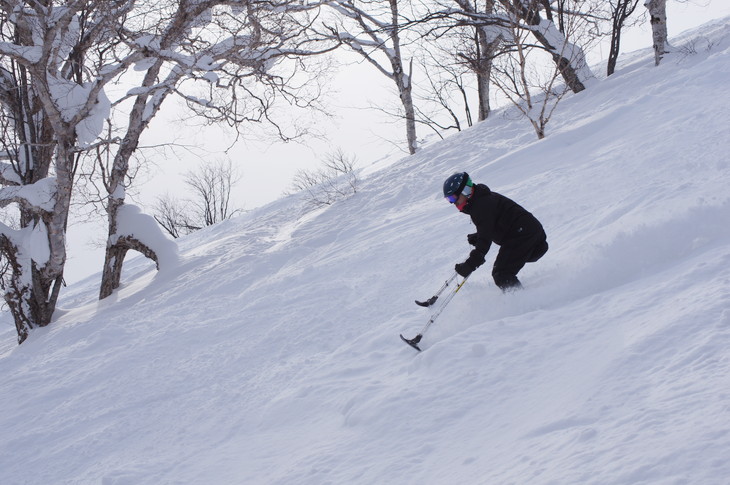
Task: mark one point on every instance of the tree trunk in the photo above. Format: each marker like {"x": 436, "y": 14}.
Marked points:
{"x": 619, "y": 14}
{"x": 614, "y": 50}
{"x": 566, "y": 66}
{"x": 114, "y": 262}
{"x": 29, "y": 291}
{"x": 30, "y": 296}
{"x": 658, "y": 17}
{"x": 32, "y": 291}
{"x": 484, "y": 72}
{"x": 116, "y": 247}
{"x": 17, "y": 299}
{"x": 403, "y": 81}
{"x": 112, "y": 274}
{"x": 485, "y": 48}
{"x": 18, "y": 293}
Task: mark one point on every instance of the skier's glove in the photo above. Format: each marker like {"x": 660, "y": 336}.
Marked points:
{"x": 464, "y": 269}
{"x": 472, "y": 238}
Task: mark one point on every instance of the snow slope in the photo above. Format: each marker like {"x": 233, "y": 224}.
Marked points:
{"x": 270, "y": 355}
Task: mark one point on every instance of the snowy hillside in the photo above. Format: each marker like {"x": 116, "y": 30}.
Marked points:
{"x": 271, "y": 354}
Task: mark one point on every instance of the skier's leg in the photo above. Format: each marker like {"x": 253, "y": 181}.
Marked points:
{"x": 506, "y": 281}
{"x": 512, "y": 256}
{"x": 505, "y": 269}
{"x": 538, "y": 251}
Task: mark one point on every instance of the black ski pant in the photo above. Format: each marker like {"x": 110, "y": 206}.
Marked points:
{"x": 528, "y": 244}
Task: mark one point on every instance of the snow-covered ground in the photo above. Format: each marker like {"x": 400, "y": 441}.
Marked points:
{"x": 270, "y": 354}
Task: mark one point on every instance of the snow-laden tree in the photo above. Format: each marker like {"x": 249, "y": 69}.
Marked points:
{"x": 228, "y": 60}
{"x": 539, "y": 16}
{"x": 372, "y": 29}
{"x": 52, "y": 110}
{"x": 58, "y": 61}
{"x": 562, "y": 28}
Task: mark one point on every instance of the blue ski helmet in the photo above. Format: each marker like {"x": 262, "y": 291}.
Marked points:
{"x": 455, "y": 184}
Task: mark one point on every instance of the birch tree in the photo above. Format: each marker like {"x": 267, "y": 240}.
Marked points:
{"x": 488, "y": 36}
{"x": 560, "y": 27}
{"x": 460, "y": 40}
{"x": 658, "y": 18}
{"x": 372, "y": 29}
{"x": 446, "y": 84}
{"x": 52, "y": 111}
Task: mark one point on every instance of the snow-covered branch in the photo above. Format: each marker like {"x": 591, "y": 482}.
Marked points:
{"x": 23, "y": 54}
{"x": 134, "y": 225}
{"x": 36, "y": 197}
{"x": 8, "y": 173}
{"x": 569, "y": 58}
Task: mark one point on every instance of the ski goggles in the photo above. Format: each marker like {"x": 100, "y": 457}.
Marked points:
{"x": 466, "y": 192}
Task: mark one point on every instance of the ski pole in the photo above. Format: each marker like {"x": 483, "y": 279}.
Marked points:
{"x": 435, "y": 297}
{"x": 415, "y": 340}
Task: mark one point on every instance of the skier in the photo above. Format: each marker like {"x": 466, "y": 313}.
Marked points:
{"x": 499, "y": 220}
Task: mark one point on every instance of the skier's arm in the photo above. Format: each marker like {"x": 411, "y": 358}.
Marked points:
{"x": 479, "y": 253}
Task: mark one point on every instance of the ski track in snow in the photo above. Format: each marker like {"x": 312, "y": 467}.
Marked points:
{"x": 270, "y": 355}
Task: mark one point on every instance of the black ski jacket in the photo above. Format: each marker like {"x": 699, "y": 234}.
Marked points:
{"x": 499, "y": 220}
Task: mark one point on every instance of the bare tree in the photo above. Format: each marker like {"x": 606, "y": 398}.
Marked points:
{"x": 621, "y": 10}
{"x": 445, "y": 81}
{"x": 372, "y": 29}
{"x": 208, "y": 202}
{"x": 172, "y": 215}
{"x": 211, "y": 187}
{"x": 535, "y": 91}
{"x": 334, "y": 180}
{"x": 456, "y": 55}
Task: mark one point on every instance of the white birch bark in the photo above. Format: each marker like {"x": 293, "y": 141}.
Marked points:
{"x": 379, "y": 36}
{"x": 658, "y": 18}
